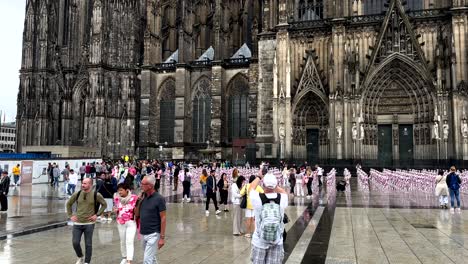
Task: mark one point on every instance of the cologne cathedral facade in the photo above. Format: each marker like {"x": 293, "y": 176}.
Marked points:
{"x": 381, "y": 81}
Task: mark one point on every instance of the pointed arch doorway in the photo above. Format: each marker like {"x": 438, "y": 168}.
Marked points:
{"x": 397, "y": 104}
{"x": 310, "y": 117}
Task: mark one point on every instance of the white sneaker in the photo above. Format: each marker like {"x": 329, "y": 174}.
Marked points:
{"x": 458, "y": 210}
{"x": 188, "y": 200}
{"x": 452, "y": 210}
{"x": 207, "y": 213}
{"x": 98, "y": 219}
{"x": 79, "y": 261}
{"x": 218, "y": 212}
{"x": 124, "y": 261}
{"x": 308, "y": 197}
{"x": 109, "y": 219}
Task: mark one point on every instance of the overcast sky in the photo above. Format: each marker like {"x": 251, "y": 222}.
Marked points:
{"x": 11, "y": 32}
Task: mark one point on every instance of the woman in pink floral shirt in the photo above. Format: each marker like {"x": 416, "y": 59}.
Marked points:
{"x": 125, "y": 202}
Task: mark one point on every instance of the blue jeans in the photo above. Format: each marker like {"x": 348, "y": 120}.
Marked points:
{"x": 56, "y": 181}
{"x": 71, "y": 188}
{"x": 16, "y": 178}
{"x": 150, "y": 247}
{"x": 78, "y": 231}
{"x": 203, "y": 187}
{"x": 454, "y": 194}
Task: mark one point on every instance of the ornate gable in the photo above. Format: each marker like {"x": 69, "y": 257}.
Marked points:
{"x": 311, "y": 81}
{"x": 396, "y": 36}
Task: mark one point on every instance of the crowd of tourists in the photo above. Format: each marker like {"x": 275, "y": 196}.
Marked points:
{"x": 129, "y": 192}
{"x": 256, "y": 197}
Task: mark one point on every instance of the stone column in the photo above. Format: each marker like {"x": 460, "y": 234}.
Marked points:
{"x": 266, "y": 85}
{"x": 182, "y": 83}
{"x": 282, "y": 91}
{"x": 217, "y": 118}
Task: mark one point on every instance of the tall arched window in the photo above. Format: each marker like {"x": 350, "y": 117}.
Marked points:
{"x": 310, "y": 10}
{"x": 201, "y": 118}
{"x": 66, "y": 21}
{"x": 238, "y": 108}
{"x": 167, "y": 111}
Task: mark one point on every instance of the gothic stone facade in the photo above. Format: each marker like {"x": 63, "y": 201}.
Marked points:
{"x": 342, "y": 80}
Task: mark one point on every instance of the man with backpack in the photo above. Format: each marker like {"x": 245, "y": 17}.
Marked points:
{"x": 89, "y": 205}
{"x": 267, "y": 240}
{"x": 453, "y": 182}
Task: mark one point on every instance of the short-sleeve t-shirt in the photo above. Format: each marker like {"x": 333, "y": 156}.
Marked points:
{"x": 257, "y": 205}
{"x": 150, "y": 220}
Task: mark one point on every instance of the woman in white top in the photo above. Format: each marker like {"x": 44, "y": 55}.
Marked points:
{"x": 237, "y": 226}
{"x": 442, "y": 190}
{"x": 299, "y": 184}
{"x": 285, "y": 174}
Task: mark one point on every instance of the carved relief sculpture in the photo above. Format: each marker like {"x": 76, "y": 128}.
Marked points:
{"x": 354, "y": 131}
{"x": 435, "y": 131}
{"x": 445, "y": 129}
{"x": 464, "y": 129}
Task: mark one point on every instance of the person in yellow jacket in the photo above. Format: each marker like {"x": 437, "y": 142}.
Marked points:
{"x": 16, "y": 173}
{"x": 249, "y": 212}
{"x": 203, "y": 178}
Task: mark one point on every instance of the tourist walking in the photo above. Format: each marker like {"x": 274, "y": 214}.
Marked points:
{"x": 107, "y": 187}
{"x": 308, "y": 180}
{"x": 211, "y": 193}
{"x": 50, "y": 170}
{"x": 186, "y": 182}
{"x": 269, "y": 207}
{"x": 453, "y": 181}
{"x": 300, "y": 184}
{"x": 65, "y": 174}
{"x": 56, "y": 174}
{"x": 16, "y": 174}
{"x": 89, "y": 205}
{"x": 249, "y": 212}
{"x": 82, "y": 171}
{"x": 72, "y": 182}
{"x": 4, "y": 188}
{"x": 292, "y": 180}
{"x": 237, "y": 227}
{"x": 223, "y": 187}
{"x": 284, "y": 177}
{"x": 124, "y": 205}
{"x": 176, "y": 177}
{"x": 203, "y": 178}
{"x": 441, "y": 190}
{"x": 152, "y": 214}
{"x": 319, "y": 174}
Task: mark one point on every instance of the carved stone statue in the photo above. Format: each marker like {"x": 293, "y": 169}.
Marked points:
{"x": 339, "y": 131}
{"x": 435, "y": 131}
{"x": 282, "y": 133}
{"x": 354, "y": 132}
{"x": 464, "y": 129}
{"x": 445, "y": 130}
{"x": 361, "y": 127}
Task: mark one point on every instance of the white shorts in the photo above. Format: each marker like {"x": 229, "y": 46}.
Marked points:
{"x": 110, "y": 204}
{"x": 249, "y": 213}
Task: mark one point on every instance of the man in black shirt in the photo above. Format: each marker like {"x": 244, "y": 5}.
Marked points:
{"x": 176, "y": 177}
{"x": 152, "y": 211}
{"x": 4, "y": 188}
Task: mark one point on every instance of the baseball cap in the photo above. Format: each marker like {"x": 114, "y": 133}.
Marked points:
{"x": 270, "y": 181}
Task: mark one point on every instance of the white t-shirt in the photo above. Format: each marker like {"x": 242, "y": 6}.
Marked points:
{"x": 235, "y": 194}
{"x": 73, "y": 178}
{"x": 319, "y": 171}
{"x": 257, "y": 205}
